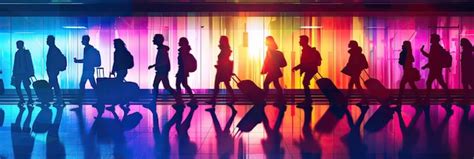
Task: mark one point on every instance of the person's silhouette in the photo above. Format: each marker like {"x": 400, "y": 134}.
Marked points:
{"x": 308, "y": 145}
{"x": 224, "y": 71}
{"x": 225, "y": 140}
{"x": 353, "y": 140}
{"x": 54, "y": 147}
{"x": 272, "y": 144}
{"x": 184, "y": 57}
{"x": 22, "y": 139}
{"x": 162, "y": 68}
{"x": 274, "y": 61}
{"x": 309, "y": 62}
{"x": 22, "y": 71}
{"x": 54, "y": 64}
{"x": 354, "y": 67}
{"x": 436, "y": 68}
{"x": 123, "y": 60}
{"x": 91, "y": 59}
{"x": 409, "y": 72}
{"x": 467, "y": 63}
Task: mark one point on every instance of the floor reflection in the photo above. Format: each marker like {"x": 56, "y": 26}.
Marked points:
{"x": 285, "y": 132}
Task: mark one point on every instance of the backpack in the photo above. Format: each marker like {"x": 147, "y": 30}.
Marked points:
{"x": 365, "y": 64}
{"x": 97, "y": 62}
{"x": 129, "y": 61}
{"x": 446, "y": 59}
{"x": 190, "y": 63}
{"x": 316, "y": 56}
{"x": 281, "y": 59}
{"x": 62, "y": 63}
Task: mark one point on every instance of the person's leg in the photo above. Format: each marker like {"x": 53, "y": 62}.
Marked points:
{"x": 26, "y": 84}
{"x": 266, "y": 84}
{"x": 189, "y": 90}
{"x": 53, "y": 80}
{"x": 121, "y": 74}
{"x": 167, "y": 86}
{"x": 18, "y": 90}
{"x": 82, "y": 85}
{"x": 360, "y": 89}
{"x": 443, "y": 84}
{"x": 230, "y": 92}
{"x": 403, "y": 82}
{"x": 415, "y": 90}
{"x": 212, "y": 101}
{"x": 280, "y": 97}
{"x": 350, "y": 87}
{"x": 429, "y": 82}
{"x": 306, "y": 82}
{"x": 156, "y": 83}
{"x": 90, "y": 77}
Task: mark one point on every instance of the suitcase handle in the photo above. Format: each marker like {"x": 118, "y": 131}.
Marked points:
{"x": 234, "y": 79}
{"x": 368, "y": 75}
{"x": 316, "y": 77}
{"x": 33, "y": 77}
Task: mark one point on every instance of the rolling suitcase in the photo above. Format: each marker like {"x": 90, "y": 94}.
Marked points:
{"x": 377, "y": 90}
{"x": 108, "y": 88}
{"x": 332, "y": 93}
{"x": 329, "y": 120}
{"x": 254, "y": 93}
{"x": 253, "y": 117}
{"x": 43, "y": 90}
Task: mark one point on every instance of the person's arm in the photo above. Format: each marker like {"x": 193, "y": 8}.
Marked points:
{"x": 296, "y": 68}
{"x": 76, "y": 60}
{"x": 151, "y": 66}
{"x": 31, "y": 68}
{"x": 424, "y": 52}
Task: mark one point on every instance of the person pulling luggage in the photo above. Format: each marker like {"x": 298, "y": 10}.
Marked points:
{"x": 91, "y": 59}
{"x": 353, "y": 68}
{"x": 22, "y": 71}
{"x": 187, "y": 64}
{"x": 274, "y": 61}
{"x": 309, "y": 62}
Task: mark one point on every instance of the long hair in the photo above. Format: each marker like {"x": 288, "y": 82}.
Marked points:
{"x": 407, "y": 47}
{"x": 120, "y": 44}
{"x": 271, "y": 42}
{"x": 466, "y": 44}
{"x": 224, "y": 42}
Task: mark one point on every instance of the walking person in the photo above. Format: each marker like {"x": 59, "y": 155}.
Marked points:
{"x": 410, "y": 74}
{"x": 309, "y": 62}
{"x": 435, "y": 64}
{"x": 162, "y": 68}
{"x": 224, "y": 73}
{"x": 22, "y": 71}
{"x": 186, "y": 64}
{"x": 123, "y": 60}
{"x": 467, "y": 64}
{"x": 353, "y": 68}
{"x": 91, "y": 59}
{"x": 55, "y": 63}
{"x": 274, "y": 61}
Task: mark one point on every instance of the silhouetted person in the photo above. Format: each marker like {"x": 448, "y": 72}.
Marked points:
{"x": 410, "y": 134}
{"x": 406, "y": 59}
{"x": 308, "y": 145}
{"x": 309, "y": 62}
{"x": 91, "y": 59}
{"x": 224, "y": 138}
{"x": 54, "y": 147}
{"x": 467, "y": 64}
{"x": 184, "y": 55}
{"x": 162, "y": 68}
{"x": 436, "y": 68}
{"x": 22, "y": 139}
{"x": 354, "y": 67}
{"x": 22, "y": 71}
{"x": 123, "y": 60}
{"x": 54, "y": 64}
{"x": 272, "y": 144}
{"x": 353, "y": 140}
{"x": 224, "y": 72}
{"x": 274, "y": 61}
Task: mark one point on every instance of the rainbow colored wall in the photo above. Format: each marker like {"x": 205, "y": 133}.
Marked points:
{"x": 380, "y": 37}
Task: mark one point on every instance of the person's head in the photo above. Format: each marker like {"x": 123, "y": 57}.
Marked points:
{"x": 466, "y": 44}
{"x": 224, "y": 42}
{"x": 20, "y": 45}
{"x": 158, "y": 39}
{"x": 353, "y": 44}
{"x": 50, "y": 40}
{"x": 406, "y": 45}
{"x": 304, "y": 40}
{"x": 119, "y": 44}
{"x": 434, "y": 38}
{"x": 270, "y": 42}
{"x": 183, "y": 41}
{"x": 85, "y": 40}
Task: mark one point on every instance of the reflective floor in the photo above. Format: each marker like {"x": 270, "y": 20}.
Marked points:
{"x": 323, "y": 132}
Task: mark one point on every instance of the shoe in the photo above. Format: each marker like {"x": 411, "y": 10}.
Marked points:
{"x": 397, "y": 108}
{"x": 447, "y": 105}
{"x": 111, "y": 108}
{"x": 193, "y": 102}
{"x": 363, "y": 102}
{"x": 363, "y": 108}
{"x": 151, "y": 106}
{"x": 30, "y": 102}
{"x": 125, "y": 109}
{"x": 21, "y": 102}
{"x": 192, "y": 105}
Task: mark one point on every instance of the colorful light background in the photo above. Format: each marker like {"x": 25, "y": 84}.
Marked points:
{"x": 380, "y": 37}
